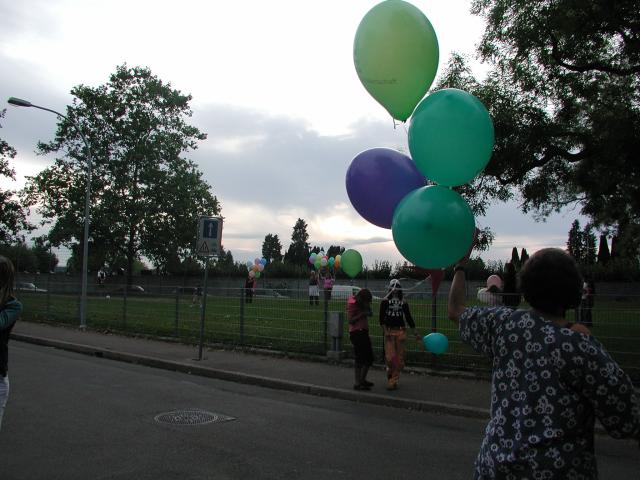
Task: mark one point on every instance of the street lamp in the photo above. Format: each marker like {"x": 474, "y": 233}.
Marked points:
{"x": 85, "y": 252}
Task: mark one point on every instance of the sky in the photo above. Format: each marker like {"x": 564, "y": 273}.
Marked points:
{"x": 274, "y": 88}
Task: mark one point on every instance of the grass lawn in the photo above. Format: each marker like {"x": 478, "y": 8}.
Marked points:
{"x": 292, "y": 325}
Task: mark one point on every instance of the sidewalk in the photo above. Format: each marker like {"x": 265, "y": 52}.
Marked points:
{"x": 417, "y": 390}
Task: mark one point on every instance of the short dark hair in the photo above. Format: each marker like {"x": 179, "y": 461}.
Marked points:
{"x": 550, "y": 281}
{"x": 363, "y": 296}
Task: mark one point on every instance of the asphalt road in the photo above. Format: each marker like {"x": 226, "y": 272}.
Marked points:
{"x": 77, "y": 417}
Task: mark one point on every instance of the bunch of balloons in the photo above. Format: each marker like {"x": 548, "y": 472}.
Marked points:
{"x": 256, "y": 268}
{"x": 451, "y": 139}
{"x": 319, "y": 261}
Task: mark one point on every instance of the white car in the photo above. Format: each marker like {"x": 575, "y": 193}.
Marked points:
{"x": 345, "y": 291}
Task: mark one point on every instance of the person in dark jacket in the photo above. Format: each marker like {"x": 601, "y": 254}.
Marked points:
{"x": 394, "y": 318}
{"x": 10, "y": 310}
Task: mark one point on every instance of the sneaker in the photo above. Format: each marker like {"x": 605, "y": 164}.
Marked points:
{"x": 368, "y": 384}
{"x": 392, "y": 386}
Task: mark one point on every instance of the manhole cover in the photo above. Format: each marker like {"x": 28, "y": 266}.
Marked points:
{"x": 192, "y": 416}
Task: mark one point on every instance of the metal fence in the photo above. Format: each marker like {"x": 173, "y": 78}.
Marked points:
{"x": 287, "y": 321}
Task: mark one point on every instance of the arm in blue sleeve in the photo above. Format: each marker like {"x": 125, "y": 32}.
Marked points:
{"x": 9, "y": 314}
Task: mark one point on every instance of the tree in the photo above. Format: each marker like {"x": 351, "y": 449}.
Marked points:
{"x": 298, "y": 252}
{"x": 524, "y": 256}
{"x": 574, "y": 242}
{"x": 515, "y": 258}
{"x": 145, "y": 198}
{"x": 588, "y": 245}
{"x": 335, "y": 250}
{"x": 46, "y": 261}
{"x": 13, "y": 217}
{"x": 603, "y": 250}
{"x": 564, "y": 95}
{"x": 272, "y": 248}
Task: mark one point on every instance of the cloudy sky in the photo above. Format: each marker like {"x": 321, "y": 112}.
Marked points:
{"x": 273, "y": 86}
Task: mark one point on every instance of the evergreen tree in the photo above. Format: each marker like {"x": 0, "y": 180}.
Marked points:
{"x": 515, "y": 259}
{"x": 524, "y": 256}
{"x": 588, "y": 245}
{"x": 272, "y": 248}
{"x": 298, "y": 252}
{"x": 603, "y": 250}
{"x": 575, "y": 243}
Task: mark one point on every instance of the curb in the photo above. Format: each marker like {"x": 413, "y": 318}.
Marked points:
{"x": 257, "y": 380}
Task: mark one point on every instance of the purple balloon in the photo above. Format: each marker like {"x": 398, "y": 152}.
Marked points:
{"x": 377, "y": 180}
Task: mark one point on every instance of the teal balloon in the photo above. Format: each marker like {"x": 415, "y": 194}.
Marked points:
{"x": 433, "y": 227}
{"x": 451, "y": 137}
{"x": 436, "y": 343}
{"x": 395, "y": 53}
{"x": 351, "y": 262}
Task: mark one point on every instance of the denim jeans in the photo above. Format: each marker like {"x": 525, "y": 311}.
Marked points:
{"x": 4, "y": 395}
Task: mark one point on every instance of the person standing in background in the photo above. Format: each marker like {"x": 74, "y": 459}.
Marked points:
{"x": 10, "y": 309}
{"x": 314, "y": 292}
{"x": 394, "y": 317}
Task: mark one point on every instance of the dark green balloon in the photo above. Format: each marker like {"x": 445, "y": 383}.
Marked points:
{"x": 433, "y": 227}
{"x": 395, "y": 52}
{"x": 351, "y": 262}
{"x": 451, "y": 137}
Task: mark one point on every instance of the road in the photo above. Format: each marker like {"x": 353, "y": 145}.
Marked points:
{"x": 77, "y": 417}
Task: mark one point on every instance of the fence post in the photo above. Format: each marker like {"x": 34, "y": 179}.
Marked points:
{"x": 176, "y": 333}
{"x": 326, "y": 319}
{"x": 242, "y": 316}
{"x": 124, "y": 306}
{"x": 336, "y": 327}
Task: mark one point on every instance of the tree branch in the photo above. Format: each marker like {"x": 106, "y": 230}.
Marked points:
{"x": 601, "y": 67}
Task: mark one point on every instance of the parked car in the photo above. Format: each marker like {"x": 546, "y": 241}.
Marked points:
{"x": 28, "y": 287}
{"x": 267, "y": 292}
{"x": 345, "y": 291}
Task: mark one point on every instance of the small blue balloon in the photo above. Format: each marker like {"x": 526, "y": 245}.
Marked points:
{"x": 263, "y": 261}
{"x": 436, "y": 343}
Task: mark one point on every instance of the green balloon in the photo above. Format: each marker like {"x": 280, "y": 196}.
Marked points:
{"x": 451, "y": 137}
{"x": 433, "y": 227}
{"x": 395, "y": 53}
{"x": 351, "y": 262}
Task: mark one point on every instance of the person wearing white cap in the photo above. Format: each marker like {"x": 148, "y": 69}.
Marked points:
{"x": 394, "y": 317}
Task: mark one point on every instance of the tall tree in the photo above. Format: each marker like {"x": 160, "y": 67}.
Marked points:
{"x": 515, "y": 258}
{"x": 146, "y": 197}
{"x": 298, "y": 251}
{"x": 565, "y": 99}
{"x": 574, "y": 242}
{"x": 13, "y": 217}
{"x": 588, "y": 245}
{"x": 47, "y": 261}
{"x": 524, "y": 256}
{"x": 603, "y": 250}
{"x": 272, "y": 248}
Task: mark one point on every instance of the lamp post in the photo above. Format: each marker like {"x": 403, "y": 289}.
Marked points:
{"x": 85, "y": 251}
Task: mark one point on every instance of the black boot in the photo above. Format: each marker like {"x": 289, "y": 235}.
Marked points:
{"x": 358, "y": 376}
{"x": 363, "y": 377}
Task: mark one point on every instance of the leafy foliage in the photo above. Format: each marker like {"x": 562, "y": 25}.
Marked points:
{"x": 13, "y": 217}
{"x": 298, "y": 251}
{"x": 145, "y": 196}
{"x": 564, "y": 95}
{"x": 272, "y": 248}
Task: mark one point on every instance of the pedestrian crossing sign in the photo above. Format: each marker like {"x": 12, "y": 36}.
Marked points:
{"x": 209, "y": 239}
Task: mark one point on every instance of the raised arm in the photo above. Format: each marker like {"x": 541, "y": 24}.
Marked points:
{"x": 457, "y": 294}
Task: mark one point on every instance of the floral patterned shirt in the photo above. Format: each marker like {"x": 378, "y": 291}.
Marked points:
{"x": 549, "y": 384}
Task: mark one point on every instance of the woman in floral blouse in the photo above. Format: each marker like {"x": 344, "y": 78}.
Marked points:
{"x": 549, "y": 382}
